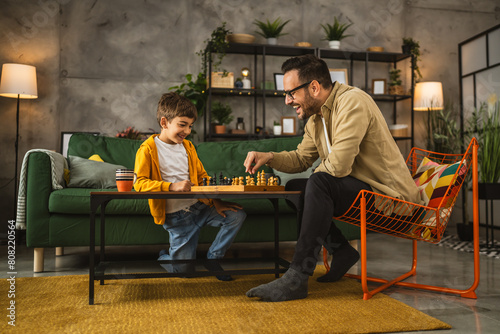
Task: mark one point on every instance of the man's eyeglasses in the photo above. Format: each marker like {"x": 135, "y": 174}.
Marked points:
{"x": 290, "y": 92}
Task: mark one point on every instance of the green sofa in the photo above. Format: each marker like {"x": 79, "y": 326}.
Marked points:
{"x": 58, "y": 218}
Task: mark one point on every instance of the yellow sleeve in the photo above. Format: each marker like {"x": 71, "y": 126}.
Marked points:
{"x": 148, "y": 173}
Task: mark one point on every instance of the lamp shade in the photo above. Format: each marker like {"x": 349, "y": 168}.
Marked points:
{"x": 245, "y": 72}
{"x": 428, "y": 96}
{"x": 18, "y": 80}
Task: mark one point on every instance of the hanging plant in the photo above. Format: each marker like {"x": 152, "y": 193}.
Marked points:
{"x": 411, "y": 46}
{"x": 215, "y": 47}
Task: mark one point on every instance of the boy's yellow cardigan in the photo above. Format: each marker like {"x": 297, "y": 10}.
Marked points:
{"x": 147, "y": 167}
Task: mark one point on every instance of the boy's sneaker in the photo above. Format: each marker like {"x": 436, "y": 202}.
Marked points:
{"x": 213, "y": 265}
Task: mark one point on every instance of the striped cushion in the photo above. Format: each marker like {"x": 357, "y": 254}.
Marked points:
{"x": 433, "y": 179}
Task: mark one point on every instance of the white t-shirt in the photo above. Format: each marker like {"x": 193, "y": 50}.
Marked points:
{"x": 174, "y": 167}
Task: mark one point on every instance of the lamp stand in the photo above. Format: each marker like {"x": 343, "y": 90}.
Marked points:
{"x": 17, "y": 154}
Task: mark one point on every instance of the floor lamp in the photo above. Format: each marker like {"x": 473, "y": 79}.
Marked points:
{"x": 18, "y": 81}
{"x": 428, "y": 97}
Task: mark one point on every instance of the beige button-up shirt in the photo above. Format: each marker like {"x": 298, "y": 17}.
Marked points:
{"x": 361, "y": 146}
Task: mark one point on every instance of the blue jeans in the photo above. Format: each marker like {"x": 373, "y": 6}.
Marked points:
{"x": 184, "y": 228}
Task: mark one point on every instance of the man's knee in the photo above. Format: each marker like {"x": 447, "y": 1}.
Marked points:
{"x": 319, "y": 181}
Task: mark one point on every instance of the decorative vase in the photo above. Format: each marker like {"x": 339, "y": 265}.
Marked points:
{"x": 334, "y": 44}
{"x": 220, "y": 129}
{"x": 277, "y": 130}
{"x": 247, "y": 84}
{"x": 272, "y": 41}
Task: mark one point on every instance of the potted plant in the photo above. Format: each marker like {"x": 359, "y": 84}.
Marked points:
{"x": 395, "y": 87}
{"x": 412, "y": 47}
{"x": 445, "y": 132}
{"x": 271, "y": 31}
{"x": 335, "y": 33}
{"x": 221, "y": 115}
{"x": 485, "y": 126}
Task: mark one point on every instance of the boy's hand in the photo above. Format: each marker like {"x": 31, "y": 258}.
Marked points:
{"x": 222, "y": 206}
{"x": 181, "y": 186}
{"x": 256, "y": 159}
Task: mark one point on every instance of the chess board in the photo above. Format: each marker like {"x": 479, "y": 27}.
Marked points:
{"x": 236, "y": 188}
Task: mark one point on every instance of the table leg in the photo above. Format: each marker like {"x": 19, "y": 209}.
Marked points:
{"x": 102, "y": 255}
{"x": 276, "y": 237}
{"x": 91, "y": 257}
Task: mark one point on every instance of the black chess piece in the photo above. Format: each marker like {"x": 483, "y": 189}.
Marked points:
{"x": 204, "y": 181}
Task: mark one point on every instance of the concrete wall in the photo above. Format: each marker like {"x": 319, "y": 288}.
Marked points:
{"x": 102, "y": 65}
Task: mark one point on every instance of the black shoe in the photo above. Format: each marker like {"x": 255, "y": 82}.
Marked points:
{"x": 213, "y": 265}
{"x": 343, "y": 258}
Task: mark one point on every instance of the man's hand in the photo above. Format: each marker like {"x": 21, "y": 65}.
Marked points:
{"x": 181, "y": 186}
{"x": 222, "y": 206}
{"x": 256, "y": 159}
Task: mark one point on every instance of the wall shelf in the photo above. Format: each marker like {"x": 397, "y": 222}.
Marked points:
{"x": 259, "y": 96}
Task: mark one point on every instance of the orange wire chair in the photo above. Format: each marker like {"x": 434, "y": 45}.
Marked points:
{"x": 416, "y": 222}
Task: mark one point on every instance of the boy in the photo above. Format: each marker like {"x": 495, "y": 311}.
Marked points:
{"x": 168, "y": 162}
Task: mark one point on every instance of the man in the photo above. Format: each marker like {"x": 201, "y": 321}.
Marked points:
{"x": 347, "y": 131}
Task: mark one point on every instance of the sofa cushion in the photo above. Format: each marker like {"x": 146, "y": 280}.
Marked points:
{"x": 77, "y": 201}
{"x": 119, "y": 151}
{"x": 85, "y": 173}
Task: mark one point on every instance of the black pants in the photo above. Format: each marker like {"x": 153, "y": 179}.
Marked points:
{"x": 324, "y": 197}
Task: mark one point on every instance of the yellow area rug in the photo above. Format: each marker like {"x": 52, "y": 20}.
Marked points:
{"x": 200, "y": 305}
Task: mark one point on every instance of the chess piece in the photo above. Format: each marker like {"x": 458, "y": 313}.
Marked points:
{"x": 204, "y": 181}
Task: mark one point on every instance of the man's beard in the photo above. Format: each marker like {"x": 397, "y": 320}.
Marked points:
{"x": 309, "y": 107}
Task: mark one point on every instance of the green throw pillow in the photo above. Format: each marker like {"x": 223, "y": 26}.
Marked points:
{"x": 85, "y": 173}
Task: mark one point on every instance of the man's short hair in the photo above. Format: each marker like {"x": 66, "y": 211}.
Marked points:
{"x": 309, "y": 68}
{"x": 173, "y": 105}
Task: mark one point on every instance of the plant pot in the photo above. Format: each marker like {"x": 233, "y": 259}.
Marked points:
{"x": 396, "y": 90}
{"x": 465, "y": 231}
{"x": 489, "y": 190}
{"x": 272, "y": 41}
{"x": 406, "y": 49}
{"x": 334, "y": 44}
{"x": 220, "y": 129}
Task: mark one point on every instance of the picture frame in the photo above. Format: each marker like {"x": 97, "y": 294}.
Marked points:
{"x": 288, "y": 126}
{"x": 339, "y": 75}
{"x": 379, "y": 86}
{"x": 278, "y": 81}
{"x": 65, "y": 136}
